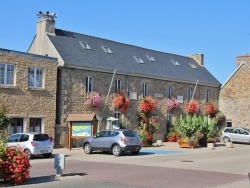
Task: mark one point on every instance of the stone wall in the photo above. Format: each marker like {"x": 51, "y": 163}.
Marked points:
{"x": 71, "y": 92}
{"x": 235, "y": 97}
{"x": 24, "y": 102}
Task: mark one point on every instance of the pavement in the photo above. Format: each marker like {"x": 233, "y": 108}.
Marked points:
{"x": 220, "y": 167}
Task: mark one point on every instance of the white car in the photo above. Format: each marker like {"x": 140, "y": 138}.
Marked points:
{"x": 33, "y": 143}
{"x": 236, "y": 134}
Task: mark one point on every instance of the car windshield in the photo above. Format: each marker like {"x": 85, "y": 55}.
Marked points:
{"x": 130, "y": 133}
{"x": 41, "y": 137}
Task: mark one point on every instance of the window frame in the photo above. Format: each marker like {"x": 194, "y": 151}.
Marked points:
{"x": 34, "y": 125}
{"x": 189, "y": 93}
{"x": 208, "y": 96}
{"x": 89, "y": 84}
{"x": 169, "y": 91}
{"x": 11, "y": 73}
{"x": 35, "y": 81}
{"x": 145, "y": 89}
{"x": 118, "y": 85}
{"x": 15, "y": 124}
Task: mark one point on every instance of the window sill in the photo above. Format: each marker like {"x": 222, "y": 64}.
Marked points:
{"x": 35, "y": 89}
{"x": 8, "y": 87}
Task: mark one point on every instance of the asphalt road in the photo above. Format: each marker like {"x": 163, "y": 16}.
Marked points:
{"x": 165, "y": 166}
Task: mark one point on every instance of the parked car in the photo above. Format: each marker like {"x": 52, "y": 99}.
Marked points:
{"x": 33, "y": 143}
{"x": 113, "y": 140}
{"x": 236, "y": 134}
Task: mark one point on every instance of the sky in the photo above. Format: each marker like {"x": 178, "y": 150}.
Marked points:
{"x": 219, "y": 29}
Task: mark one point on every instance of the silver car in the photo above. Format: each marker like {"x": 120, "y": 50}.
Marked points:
{"x": 113, "y": 140}
{"x": 33, "y": 143}
{"x": 236, "y": 134}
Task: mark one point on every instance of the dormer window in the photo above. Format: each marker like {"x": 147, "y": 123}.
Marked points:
{"x": 85, "y": 45}
{"x": 192, "y": 65}
{"x": 175, "y": 62}
{"x": 138, "y": 59}
{"x": 151, "y": 58}
{"x": 107, "y": 50}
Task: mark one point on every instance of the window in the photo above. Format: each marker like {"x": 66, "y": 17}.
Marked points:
{"x": 35, "y": 77}
{"x": 138, "y": 59}
{"x": 151, "y": 58}
{"x": 107, "y": 50}
{"x": 207, "y": 96}
{"x": 192, "y": 65}
{"x": 7, "y": 74}
{"x": 118, "y": 85}
{"x": 85, "y": 45}
{"x": 16, "y": 126}
{"x": 175, "y": 62}
{"x": 115, "y": 124}
{"x": 35, "y": 125}
{"x": 24, "y": 138}
{"x": 189, "y": 94}
{"x": 13, "y": 138}
{"x": 169, "y": 92}
{"x": 145, "y": 89}
{"x": 89, "y": 84}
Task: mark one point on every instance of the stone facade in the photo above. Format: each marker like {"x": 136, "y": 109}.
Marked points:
{"x": 30, "y": 103}
{"x": 71, "y": 92}
{"x": 235, "y": 94}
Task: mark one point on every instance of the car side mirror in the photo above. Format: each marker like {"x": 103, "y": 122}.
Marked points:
{"x": 95, "y": 136}
{"x": 245, "y": 133}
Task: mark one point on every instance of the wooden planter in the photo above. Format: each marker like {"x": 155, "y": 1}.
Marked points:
{"x": 185, "y": 145}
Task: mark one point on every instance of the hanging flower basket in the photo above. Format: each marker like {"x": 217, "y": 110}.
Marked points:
{"x": 121, "y": 102}
{"x": 209, "y": 109}
{"x": 192, "y": 107}
{"x": 92, "y": 100}
{"x": 172, "y": 104}
{"x": 147, "y": 104}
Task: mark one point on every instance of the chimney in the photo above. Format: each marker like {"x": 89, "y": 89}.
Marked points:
{"x": 199, "y": 58}
{"x": 46, "y": 24}
{"x": 241, "y": 59}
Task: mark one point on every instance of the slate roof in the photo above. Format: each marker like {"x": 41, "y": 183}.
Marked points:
{"x": 122, "y": 59}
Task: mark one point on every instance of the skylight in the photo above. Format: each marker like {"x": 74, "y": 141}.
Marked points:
{"x": 85, "y": 45}
{"x": 151, "y": 58}
{"x": 175, "y": 62}
{"x": 138, "y": 59}
{"x": 192, "y": 65}
{"x": 107, "y": 50}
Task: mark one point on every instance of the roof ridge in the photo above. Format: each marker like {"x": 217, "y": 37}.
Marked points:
{"x": 126, "y": 44}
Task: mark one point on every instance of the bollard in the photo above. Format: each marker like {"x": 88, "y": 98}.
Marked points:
{"x": 59, "y": 164}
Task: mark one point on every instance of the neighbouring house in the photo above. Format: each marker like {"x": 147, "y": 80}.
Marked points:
{"x": 235, "y": 94}
{"x": 87, "y": 63}
{"x": 28, "y": 89}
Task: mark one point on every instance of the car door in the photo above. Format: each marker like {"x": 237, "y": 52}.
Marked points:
{"x": 234, "y": 136}
{"x": 23, "y": 141}
{"x": 97, "y": 141}
{"x": 13, "y": 140}
{"x": 108, "y": 140}
{"x": 244, "y": 136}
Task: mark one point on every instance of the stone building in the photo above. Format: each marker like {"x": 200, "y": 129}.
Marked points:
{"x": 28, "y": 89}
{"x": 87, "y": 63}
{"x": 235, "y": 94}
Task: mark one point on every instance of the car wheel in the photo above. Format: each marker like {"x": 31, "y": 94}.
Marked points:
{"x": 226, "y": 139}
{"x": 135, "y": 152}
{"x": 27, "y": 151}
{"x": 116, "y": 150}
{"x": 87, "y": 148}
{"x": 47, "y": 155}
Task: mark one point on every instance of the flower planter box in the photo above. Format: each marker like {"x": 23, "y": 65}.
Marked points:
{"x": 229, "y": 144}
{"x": 185, "y": 145}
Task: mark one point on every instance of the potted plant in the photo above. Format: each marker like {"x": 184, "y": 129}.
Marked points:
{"x": 191, "y": 107}
{"x": 121, "y": 102}
{"x": 209, "y": 109}
{"x": 172, "y": 104}
{"x": 147, "y": 104}
{"x": 92, "y": 100}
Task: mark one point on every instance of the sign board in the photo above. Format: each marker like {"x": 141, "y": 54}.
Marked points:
{"x": 180, "y": 99}
{"x": 158, "y": 95}
{"x": 133, "y": 95}
{"x": 81, "y": 129}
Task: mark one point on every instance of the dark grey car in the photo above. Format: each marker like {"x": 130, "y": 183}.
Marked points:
{"x": 113, "y": 140}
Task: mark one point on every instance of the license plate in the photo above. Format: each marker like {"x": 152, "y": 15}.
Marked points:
{"x": 44, "y": 151}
